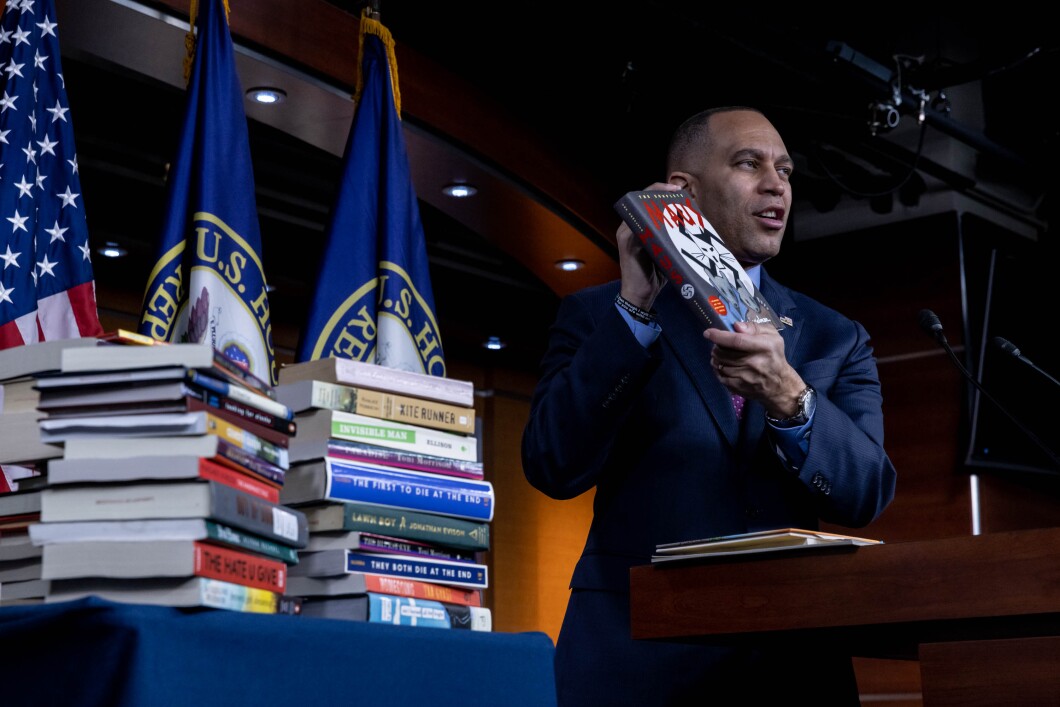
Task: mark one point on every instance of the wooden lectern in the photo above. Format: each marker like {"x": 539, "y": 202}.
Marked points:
{"x": 981, "y": 613}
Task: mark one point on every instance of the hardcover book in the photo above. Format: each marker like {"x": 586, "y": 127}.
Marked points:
{"x": 178, "y": 592}
{"x": 309, "y": 394}
{"x": 329, "y": 563}
{"x": 409, "y": 611}
{"x": 207, "y": 446}
{"x": 376, "y": 377}
{"x": 360, "y": 583}
{"x": 428, "y": 527}
{"x": 316, "y": 428}
{"x": 694, "y": 259}
{"x": 176, "y": 499}
{"x": 152, "y": 530}
{"x": 780, "y": 539}
{"x": 374, "y": 454}
{"x": 376, "y": 542}
{"x": 162, "y": 558}
{"x": 73, "y": 471}
{"x": 340, "y": 480}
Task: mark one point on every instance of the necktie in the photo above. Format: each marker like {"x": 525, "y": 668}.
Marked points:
{"x": 737, "y": 405}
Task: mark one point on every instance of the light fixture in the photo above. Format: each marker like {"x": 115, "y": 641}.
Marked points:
{"x": 267, "y": 95}
{"x": 494, "y": 343}
{"x": 110, "y": 249}
{"x": 570, "y": 264}
{"x": 459, "y": 191}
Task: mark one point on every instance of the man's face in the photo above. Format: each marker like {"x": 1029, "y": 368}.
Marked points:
{"x": 743, "y": 187}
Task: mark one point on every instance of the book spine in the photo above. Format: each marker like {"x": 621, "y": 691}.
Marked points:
{"x": 472, "y": 618}
{"x": 248, "y": 441}
{"x": 463, "y": 498}
{"x": 370, "y": 542}
{"x": 239, "y": 394}
{"x": 219, "y": 594}
{"x": 460, "y": 574}
{"x": 232, "y": 412}
{"x": 397, "y": 435}
{"x": 253, "y": 543}
{"x": 360, "y": 451}
{"x": 241, "y": 510}
{"x": 395, "y": 380}
{"x": 422, "y": 590}
{"x": 238, "y": 567}
{"x": 242, "y": 460}
{"x": 228, "y": 476}
{"x": 427, "y": 527}
{"x": 391, "y": 406}
{"x": 406, "y": 611}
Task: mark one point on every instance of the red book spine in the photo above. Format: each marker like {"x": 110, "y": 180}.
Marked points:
{"x": 422, "y": 590}
{"x": 211, "y": 470}
{"x": 243, "y": 568}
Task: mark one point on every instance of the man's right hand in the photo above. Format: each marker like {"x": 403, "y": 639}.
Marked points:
{"x": 641, "y": 280}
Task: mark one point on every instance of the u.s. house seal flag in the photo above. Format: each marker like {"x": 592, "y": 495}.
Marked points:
{"x": 208, "y": 284}
{"x": 373, "y": 300}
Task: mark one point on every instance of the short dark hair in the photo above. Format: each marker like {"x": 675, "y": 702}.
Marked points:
{"x": 693, "y": 135}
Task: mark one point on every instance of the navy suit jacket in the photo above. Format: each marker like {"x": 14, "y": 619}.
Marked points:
{"x": 653, "y": 430}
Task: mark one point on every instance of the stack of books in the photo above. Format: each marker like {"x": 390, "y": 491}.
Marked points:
{"x": 167, "y": 490}
{"x": 386, "y": 468}
{"x": 23, "y": 462}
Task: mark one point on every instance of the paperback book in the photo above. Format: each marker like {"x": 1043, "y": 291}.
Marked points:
{"x": 305, "y": 395}
{"x": 360, "y": 583}
{"x": 376, "y": 377}
{"x": 374, "y": 454}
{"x": 781, "y": 539}
{"x": 332, "y": 517}
{"x": 694, "y": 259}
{"x": 389, "y": 544}
{"x": 360, "y": 482}
{"x": 317, "y": 428}
{"x": 328, "y": 563}
{"x": 178, "y": 592}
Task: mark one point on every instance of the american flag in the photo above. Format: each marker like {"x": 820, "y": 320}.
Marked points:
{"x": 47, "y": 290}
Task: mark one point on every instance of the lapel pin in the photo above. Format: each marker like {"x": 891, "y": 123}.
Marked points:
{"x": 787, "y": 320}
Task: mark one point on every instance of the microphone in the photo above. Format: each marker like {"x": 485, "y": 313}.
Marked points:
{"x": 1009, "y": 348}
{"x": 930, "y": 323}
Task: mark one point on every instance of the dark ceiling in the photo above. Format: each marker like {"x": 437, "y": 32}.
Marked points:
{"x": 603, "y": 85}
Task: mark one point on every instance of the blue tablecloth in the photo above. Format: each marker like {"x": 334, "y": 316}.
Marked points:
{"x": 94, "y": 652}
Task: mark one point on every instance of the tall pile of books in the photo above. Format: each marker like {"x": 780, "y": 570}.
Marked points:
{"x": 167, "y": 487}
{"x": 386, "y": 468}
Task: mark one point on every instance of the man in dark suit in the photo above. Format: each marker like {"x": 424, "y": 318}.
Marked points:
{"x": 635, "y": 399}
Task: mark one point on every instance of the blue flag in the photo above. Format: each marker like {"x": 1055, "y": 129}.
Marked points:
{"x": 373, "y": 300}
{"x": 47, "y": 289}
{"x": 208, "y": 284}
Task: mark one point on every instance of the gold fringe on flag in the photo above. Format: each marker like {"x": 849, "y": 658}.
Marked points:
{"x": 189, "y": 38}
{"x": 372, "y": 26}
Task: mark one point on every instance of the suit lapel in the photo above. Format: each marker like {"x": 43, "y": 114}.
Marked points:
{"x": 683, "y": 333}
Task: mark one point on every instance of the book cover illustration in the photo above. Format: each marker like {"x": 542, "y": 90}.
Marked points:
{"x": 694, "y": 258}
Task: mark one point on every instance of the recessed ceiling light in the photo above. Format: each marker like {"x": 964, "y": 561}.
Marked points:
{"x": 459, "y": 191}
{"x": 570, "y": 264}
{"x": 110, "y": 249}
{"x": 267, "y": 95}
{"x": 494, "y": 343}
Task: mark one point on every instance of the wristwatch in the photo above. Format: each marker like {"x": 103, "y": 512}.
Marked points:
{"x": 807, "y": 401}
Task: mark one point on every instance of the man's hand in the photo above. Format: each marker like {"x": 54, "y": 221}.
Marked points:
{"x": 641, "y": 280}
{"x": 750, "y": 361}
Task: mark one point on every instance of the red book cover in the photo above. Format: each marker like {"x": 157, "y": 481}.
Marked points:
{"x": 229, "y": 476}
{"x": 694, "y": 259}
{"x": 238, "y": 567}
{"x": 422, "y": 590}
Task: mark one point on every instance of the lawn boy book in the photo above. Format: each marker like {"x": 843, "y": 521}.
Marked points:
{"x": 328, "y": 518}
{"x": 779, "y": 539}
{"x": 329, "y": 563}
{"x": 341, "y": 480}
{"x": 694, "y": 259}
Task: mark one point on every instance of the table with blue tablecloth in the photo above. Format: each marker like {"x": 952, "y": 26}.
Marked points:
{"x": 94, "y": 652}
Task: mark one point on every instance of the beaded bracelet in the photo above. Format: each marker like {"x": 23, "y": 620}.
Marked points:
{"x": 641, "y": 315}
